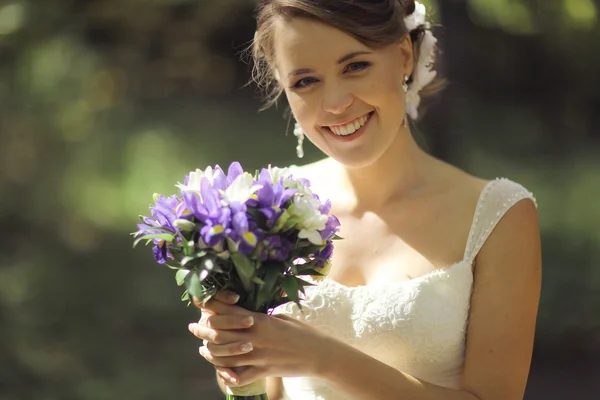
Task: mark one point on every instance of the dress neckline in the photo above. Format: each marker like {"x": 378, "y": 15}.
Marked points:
{"x": 436, "y": 272}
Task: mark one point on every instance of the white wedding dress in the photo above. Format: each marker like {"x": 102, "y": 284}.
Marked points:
{"x": 416, "y": 326}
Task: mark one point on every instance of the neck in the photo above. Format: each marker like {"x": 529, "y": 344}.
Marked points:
{"x": 402, "y": 172}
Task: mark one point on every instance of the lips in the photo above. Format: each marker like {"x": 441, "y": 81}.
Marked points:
{"x": 349, "y": 132}
{"x": 349, "y": 127}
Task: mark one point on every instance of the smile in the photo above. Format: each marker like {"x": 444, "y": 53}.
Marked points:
{"x": 350, "y": 127}
{"x": 350, "y": 131}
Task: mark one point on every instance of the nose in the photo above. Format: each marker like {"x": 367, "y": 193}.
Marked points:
{"x": 336, "y": 100}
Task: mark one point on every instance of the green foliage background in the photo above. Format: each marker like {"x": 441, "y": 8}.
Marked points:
{"x": 104, "y": 102}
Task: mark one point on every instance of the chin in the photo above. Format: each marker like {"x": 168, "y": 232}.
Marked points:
{"x": 360, "y": 158}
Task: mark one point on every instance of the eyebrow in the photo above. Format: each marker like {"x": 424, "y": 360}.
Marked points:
{"x": 343, "y": 59}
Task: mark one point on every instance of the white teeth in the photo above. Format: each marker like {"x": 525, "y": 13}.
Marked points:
{"x": 351, "y": 127}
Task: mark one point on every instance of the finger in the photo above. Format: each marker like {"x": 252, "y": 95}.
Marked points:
{"x": 227, "y": 297}
{"x": 227, "y": 376}
{"x": 215, "y": 336}
{"x": 231, "y": 349}
{"x": 198, "y": 303}
{"x": 224, "y": 296}
{"x": 217, "y": 307}
{"x": 230, "y": 321}
{"x": 249, "y": 375}
{"x": 229, "y": 362}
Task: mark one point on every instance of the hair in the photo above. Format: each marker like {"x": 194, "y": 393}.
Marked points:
{"x": 375, "y": 23}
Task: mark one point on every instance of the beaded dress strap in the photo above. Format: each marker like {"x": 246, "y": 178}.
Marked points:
{"x": 496, "y": 198}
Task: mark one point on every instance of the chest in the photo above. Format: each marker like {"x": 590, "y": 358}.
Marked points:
{"x": 398, "y": 244}
{"x": 421, "y": 321}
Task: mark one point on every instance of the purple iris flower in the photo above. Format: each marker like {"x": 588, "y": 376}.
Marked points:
{"x": 324, "y": 208}
{"x": 235, "y": 169}
{"x": 322, "y": 256}
{"x": 206, "y": 207}
{"x": 220, "y": 181}
{"x": 275, "y": 248}
{"x": 331, "y": 228}
{"x": 164, "y": 211}
{"x": 160, "y": 252}
{"x": 244, "y": 231}
{"x": 271, "y": 197}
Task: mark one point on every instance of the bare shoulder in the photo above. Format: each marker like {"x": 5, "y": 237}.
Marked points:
{"x": 504, "y": 304}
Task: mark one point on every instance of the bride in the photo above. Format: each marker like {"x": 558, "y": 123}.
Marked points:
{"x": 434, "y": 292}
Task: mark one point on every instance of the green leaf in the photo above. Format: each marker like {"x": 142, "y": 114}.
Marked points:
{"x": 278, "y": 302}
{"x": 257, "y": 280}
{"x": 154, "y": 228}
{"x": 281, "y": 221}
{"x": 267, "y": 291}
{"x": 185, "y": 296}
{"x": 187, "y": 250}
{"x": 188, "y": 259}
{"x": 289, "y": 224}
{"x": 309, "y": 271}
{"x": 193, "y": 283}
{"x": 167, "y": 237}
{"x": 291, "y": 287}
{"x": 180, "y": 276}
{"x": 244, "y": 268}
{"x": 302, "y": 283}
{"x": 337, "y": 237}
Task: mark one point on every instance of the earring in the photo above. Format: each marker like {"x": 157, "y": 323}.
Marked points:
{"x": 405, "y": 85}
{"x": 405, "y": 88}
{"x": 299, "y": 133}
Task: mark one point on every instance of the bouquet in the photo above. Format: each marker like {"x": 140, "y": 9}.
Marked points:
{"x": 256, "y": 235}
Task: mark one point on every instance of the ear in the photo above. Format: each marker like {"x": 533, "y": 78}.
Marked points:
{"x": 405, "y": 52}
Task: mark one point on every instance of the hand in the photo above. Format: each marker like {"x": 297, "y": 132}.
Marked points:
{"x": 275, "y": 345}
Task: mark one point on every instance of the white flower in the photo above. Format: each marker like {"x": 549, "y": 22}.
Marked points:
{"x": 278, "y": 173}
{"x": 240, "y": 190}
{"x": 312, "y": 235}
{"x": 416, "y": 18}
{"x": 305, "y": 210}
{"x": 413, "y": 100}
{"x": 423, "y": 73}
{"x": 195, "y": 177}
{"x": 289, "y": 181}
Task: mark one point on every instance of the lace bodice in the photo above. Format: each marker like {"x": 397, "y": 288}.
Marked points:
{"x": 416, "y": 326}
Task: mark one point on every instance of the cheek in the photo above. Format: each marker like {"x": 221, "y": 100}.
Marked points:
{"x": 303, "y": 108}
{"x": 383, "y": 90}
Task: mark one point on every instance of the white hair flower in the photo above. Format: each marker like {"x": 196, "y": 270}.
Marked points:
{"x": 423, "y": 73}
{"x": 417, "y": 18}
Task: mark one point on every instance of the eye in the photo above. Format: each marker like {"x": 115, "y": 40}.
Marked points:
{"x": 357, "y": 66}
{"x": 304, "y": 82}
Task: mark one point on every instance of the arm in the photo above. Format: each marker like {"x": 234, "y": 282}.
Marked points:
{"x": 500, "y": 333}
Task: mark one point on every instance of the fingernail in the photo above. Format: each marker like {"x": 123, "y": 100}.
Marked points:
{"x": 246, "y": 347}
{"x": 233, "y": 298}
{"x": 191, "y": 327}
{"x": 248, "y": 321}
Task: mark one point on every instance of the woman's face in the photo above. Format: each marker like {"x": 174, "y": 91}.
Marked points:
{"x": 347, "y": 97}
